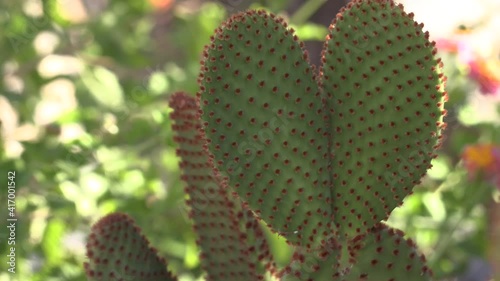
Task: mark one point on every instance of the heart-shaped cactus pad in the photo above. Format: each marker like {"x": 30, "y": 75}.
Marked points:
{"x": 325, "y": 153}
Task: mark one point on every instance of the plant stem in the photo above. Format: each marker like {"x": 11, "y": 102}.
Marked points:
{"x": 306, "y": 11}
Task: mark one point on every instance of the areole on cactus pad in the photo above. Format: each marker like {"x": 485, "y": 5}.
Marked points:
{"x": 328, "y": 153}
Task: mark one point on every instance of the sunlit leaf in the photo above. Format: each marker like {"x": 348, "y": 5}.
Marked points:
{"x": 434, "y": 204}
{"x": 93, "y": 185}
{"x": 311, "y": 31}
{"x": 103, "y": 85}
{"x": 51, "y": 242}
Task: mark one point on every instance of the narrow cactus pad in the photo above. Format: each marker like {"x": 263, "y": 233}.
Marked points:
{"x": 231, "y": 240}
{"x": 380, "y": 255}
{"x": 117, "y": 251}
{"x": 264, "y": 120}
{"x": 385, "y": 93}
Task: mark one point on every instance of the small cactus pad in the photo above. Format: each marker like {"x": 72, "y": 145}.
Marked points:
{"x": 385, "y": 93}
{"x": 117, "y": 251}
{"x": 313, "y": 264}
{"x": 232, "y": 242}
{"x": 385, "y": 255}
{"x": 263, "y": 117}
{"x": 380, "y": 255}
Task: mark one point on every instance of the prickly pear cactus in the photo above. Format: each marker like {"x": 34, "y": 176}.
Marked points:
{"x": 322, "y": 157}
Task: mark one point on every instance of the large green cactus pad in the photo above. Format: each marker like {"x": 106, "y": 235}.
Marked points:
{"x": 385, "y": 95}
{"x": 233, "y": 246}
{"x": 117, "y": 251}
{"x": 265, "y": 123}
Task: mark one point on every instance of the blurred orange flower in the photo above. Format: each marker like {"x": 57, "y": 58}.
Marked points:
{"x": 447, "y": 45}
{"x": 483, "y": 158}
{"x": 487, "y": 74}
{"x": 161, "y": 4}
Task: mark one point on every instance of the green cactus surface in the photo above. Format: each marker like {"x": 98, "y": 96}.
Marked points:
{"x": 117, "y": 251}
{"x": 231, "y": 239}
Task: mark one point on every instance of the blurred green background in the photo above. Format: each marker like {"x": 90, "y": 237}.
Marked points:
{"x": 84, "y": 124}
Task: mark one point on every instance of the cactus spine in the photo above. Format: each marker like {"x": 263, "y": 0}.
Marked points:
{"x": 321, "y": 157}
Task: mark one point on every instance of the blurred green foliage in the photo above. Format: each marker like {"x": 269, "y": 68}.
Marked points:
{"x": 85, "y": 127}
